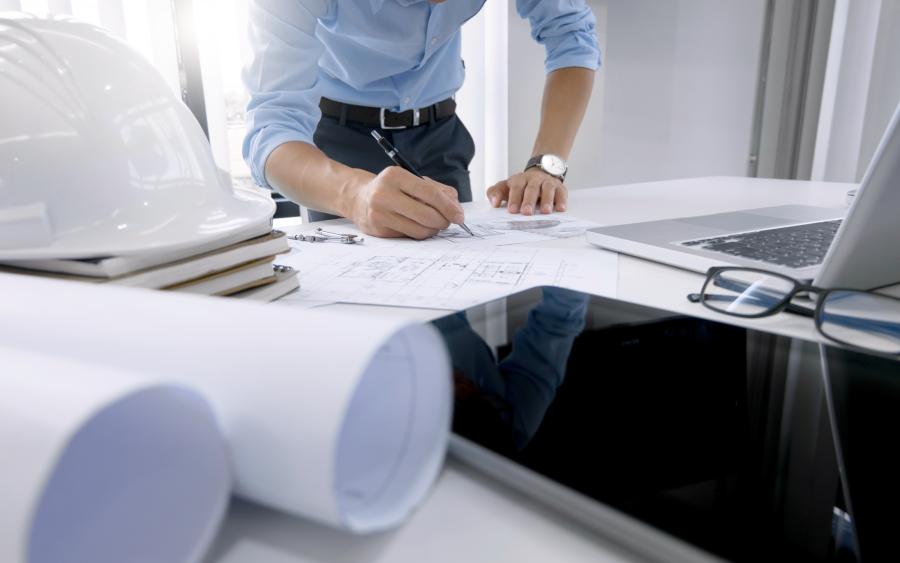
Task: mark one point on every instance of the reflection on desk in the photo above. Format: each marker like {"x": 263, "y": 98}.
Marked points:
{"x": 526, "y": 379}
{"x": 725, "y": 437}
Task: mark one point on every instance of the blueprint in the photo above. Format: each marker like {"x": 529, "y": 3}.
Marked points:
{"x": 441, "y": 278}
{"x": 501, "y": 227}
{"x": 493, "y": 227}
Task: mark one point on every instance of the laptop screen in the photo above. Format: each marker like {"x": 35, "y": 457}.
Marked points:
{"x": 747, "y": 445}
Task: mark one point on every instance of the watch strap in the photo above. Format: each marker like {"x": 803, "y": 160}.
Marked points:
{"x": 536, "y": 161}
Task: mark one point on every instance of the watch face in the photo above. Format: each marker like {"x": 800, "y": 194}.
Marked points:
{"x": 553, "y": 164}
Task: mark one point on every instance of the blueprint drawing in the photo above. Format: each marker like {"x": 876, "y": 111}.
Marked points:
{"x": 438, "y": 278}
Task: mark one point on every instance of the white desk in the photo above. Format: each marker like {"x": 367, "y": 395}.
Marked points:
{"x": 471, "y": 518}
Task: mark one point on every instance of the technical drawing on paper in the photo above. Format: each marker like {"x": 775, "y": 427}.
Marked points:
{"x": 536, "y": 224}
{"x": 505, "y": 273}
{"x": 480, "y": 231}
{"x": 559, "y": 227}
{"x": 441, "y": 279}
{"x": 555, "y": 228}
{"x": 497, "y": 224}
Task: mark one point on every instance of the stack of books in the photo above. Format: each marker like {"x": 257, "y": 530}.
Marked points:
{"x": 245, "y": 269}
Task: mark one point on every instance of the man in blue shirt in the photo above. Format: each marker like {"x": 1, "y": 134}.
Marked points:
{"x": 326, "y": 72}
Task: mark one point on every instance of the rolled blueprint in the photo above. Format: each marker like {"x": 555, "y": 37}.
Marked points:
{"x": 338, "y": 417}
{"x": 103, "y": 467}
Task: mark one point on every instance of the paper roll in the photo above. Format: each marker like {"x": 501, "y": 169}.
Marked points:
{"x": 101, "y": 467}
{"x": 338, "y": 417}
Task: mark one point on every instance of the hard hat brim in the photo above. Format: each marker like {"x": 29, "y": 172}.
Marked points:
{"x": 197, "y": 225}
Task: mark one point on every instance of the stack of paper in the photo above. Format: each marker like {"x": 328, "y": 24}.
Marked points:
{"x": 228, "y": 269}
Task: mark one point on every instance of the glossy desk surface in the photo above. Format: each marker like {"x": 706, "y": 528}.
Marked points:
{"x": 468, "y": 516}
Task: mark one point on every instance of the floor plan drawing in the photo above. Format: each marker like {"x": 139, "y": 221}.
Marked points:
{"x": 492, "y": 228}
{"x": 560, "y": 226}
{"x": 456, "y": 234}
{"x": 498, "y": 226}
{"x": 534, "y": 225}
{"x": 436, "y": 278}
{"x": 505, "y": 273}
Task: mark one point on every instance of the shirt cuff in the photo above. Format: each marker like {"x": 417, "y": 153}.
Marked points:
{"x": 590, "y": 63}
{"x": 577, "y": 50}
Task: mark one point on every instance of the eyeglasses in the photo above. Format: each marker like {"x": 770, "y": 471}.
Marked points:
{"x": 859, "y": 319}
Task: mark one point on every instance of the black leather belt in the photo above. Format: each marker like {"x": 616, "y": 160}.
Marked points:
{"x": 385, "y": 118}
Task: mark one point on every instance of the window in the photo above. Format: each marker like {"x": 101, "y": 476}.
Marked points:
{"x": 145, "y": 24}
{"x": 223, "y": 45}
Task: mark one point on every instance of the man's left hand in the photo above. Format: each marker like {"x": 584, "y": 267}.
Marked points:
{"x": 530, "y": 192}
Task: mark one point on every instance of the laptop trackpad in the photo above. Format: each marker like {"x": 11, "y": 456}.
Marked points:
{"x": 735, "y": 222}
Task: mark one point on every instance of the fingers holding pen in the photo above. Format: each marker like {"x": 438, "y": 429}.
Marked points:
{"x": 440, "y": 197}
{"x": 398, "y": 203}
{"x": 421, "y": 213}
{"x": 430, "y": 195}
{"x": 410, "y": 228}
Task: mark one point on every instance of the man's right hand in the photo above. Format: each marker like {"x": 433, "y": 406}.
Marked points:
{"x": 396, "y": 203}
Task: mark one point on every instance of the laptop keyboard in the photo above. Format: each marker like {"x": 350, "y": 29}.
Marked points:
{"x": 796, "y": 246}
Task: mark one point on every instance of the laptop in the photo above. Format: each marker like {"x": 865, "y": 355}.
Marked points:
{"x": 857, "y": 248}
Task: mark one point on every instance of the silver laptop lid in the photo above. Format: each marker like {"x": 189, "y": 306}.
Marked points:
{"x": 866, "y": 249}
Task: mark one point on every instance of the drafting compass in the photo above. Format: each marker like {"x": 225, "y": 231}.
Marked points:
{"x": 322, "y": 235}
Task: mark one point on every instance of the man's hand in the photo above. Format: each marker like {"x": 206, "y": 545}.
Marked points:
{"x": 530, "y": 192}
{"x": 396, "y": 203}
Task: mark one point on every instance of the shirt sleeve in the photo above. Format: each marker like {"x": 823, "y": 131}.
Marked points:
{"x": 566, "y": 29}
{"x": 536, "y": 367}
{"x": 281, "y": 77}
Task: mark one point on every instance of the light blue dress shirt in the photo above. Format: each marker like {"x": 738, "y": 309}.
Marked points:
{"x": 397, "y": 54}
{"x": 528, "y": 378}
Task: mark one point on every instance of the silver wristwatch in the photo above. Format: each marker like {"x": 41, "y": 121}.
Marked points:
{"x": 551, "y": 164}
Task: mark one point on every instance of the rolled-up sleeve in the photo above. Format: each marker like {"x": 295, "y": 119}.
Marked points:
{"x": 566, "y": 29}
{"x": 281, "y": 77}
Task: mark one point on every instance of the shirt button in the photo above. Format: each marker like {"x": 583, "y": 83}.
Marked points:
{"x": 406, "y": 100}
{"x": 434, "y": 40}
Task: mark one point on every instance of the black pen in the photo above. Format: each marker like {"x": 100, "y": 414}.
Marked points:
{"x": 398, "y": 159}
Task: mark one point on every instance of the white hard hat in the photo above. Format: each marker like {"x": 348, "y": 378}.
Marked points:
{"x": 98, "y": 157}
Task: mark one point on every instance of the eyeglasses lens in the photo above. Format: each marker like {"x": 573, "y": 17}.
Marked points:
{"x": 864, "y": 320}
{"x": 746, "y": 293}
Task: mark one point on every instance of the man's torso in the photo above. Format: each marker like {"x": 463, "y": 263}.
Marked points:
{"x": 393, "y": 53}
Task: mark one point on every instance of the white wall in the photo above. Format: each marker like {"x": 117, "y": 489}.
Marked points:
{"x": 846, "y": 88}
{"x": 862, "y": 88}
{"x": 884, "y": 90}
{"x": 146, "y": 24}
{"x": 481, "y": 102}
{"x": 470, "y": 100}
{"x": 675, "y": 96}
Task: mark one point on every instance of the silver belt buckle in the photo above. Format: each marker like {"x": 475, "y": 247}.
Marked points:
{"x": 383, "y": 126}
{"x": 416, "y": 119}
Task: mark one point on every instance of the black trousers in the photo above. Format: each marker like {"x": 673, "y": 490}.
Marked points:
{"x": 441, "y": 150}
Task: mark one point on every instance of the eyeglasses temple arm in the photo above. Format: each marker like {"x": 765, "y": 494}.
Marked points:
{"x": 884, "y": 327}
